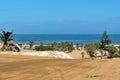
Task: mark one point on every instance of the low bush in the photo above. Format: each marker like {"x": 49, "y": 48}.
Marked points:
{"x": 112, "y": 55}
{"x": 64, "y": 46}
{"x": 91, "y": 55}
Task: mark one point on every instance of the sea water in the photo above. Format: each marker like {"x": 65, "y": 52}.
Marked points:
{"x": 74, "y": 38}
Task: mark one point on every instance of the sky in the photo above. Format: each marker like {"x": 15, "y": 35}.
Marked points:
{"x": 60, "y": 16}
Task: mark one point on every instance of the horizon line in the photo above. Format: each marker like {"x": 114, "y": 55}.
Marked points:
{"x": 69, "y": 34}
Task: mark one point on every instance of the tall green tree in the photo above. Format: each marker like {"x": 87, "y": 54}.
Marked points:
{"x": 105, "y": 40}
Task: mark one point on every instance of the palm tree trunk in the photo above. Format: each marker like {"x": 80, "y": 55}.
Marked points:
{"x": 4, "y": 46}
{"x": 5, "y": 43}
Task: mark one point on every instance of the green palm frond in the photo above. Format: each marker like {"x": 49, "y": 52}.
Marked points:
{"x": 6, "y": 36}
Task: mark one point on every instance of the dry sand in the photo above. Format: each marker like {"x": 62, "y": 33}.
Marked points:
{"x": 1, "y": 45}
{"x": 77, "y": 54}
{"x": 44, "y": 68}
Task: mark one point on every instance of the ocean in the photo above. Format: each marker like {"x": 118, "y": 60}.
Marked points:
{"x": 75, "y": 38}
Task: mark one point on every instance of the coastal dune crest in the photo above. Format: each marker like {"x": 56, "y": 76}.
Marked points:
{"x": 55, "y": 54}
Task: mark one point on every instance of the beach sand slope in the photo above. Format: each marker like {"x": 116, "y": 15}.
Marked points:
{"x": 46, "y": 68}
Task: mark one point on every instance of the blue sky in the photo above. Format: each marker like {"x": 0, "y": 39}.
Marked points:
{"x": 60, "y": 16}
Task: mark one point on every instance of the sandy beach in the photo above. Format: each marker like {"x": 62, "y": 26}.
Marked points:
{"x": 46, "y": 68}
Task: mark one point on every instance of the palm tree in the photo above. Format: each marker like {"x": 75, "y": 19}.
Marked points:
{"x": 5, "y": 37}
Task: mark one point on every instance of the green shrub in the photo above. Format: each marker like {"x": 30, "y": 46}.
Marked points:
{"x": 37, "y": 48}
{"x": 111, "y": 55}
{"x": 70, "y": 47}
{"x": 64, "y": 46}
{"x": 91, "y": 55}
{"x": 90, "y": 48}
{"x": 116, "y": 55}
{"x": 112, "y": 51}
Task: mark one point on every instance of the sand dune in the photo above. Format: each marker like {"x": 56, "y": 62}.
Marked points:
{"x": 76, "y": 54}
{"x": 45, "y": 68}
{"x": 56, "y": 54}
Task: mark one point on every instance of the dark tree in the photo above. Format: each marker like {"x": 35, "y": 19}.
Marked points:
{"x": 5, "y": 37}
{"x": 105, "y": 40}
